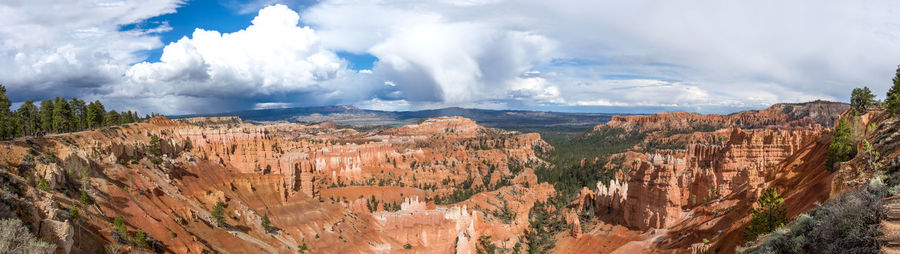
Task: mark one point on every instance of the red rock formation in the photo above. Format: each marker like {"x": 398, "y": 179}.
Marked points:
{"x": 316, "y": 184}
{"x": 706, "y": 189}
{"x": 659, "y": 187}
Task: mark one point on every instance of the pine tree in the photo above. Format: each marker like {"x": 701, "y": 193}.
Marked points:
{"x": 861, "y": 99}
{"x": 7, "y": 123}
{"x": 154, "y": 146}
{"x": 101, "y": 111}
{"x": 62, "y": 115}
{"x": 111, "y": 118}
{"x": 767, "y": 216}
{"x": 266, "y": 224}
{"x": 124, "y": 117}
{"x": 47, "y": 115}
{"x": 892, "y": 102}
{"x": 79, "y": 114}
{"x": 31, "y": 120}
{"x": 55, "y": 115}
{"x": 90, "y": 116}
{"x": 95, "y": 115}
{"x": 842, "y": 147}
{"x": 129, "y": 117}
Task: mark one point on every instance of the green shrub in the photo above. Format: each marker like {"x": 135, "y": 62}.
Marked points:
{"x": 140, "y": 239}
{"x": 44, "y": 185}
{"x": 156, "y": 160}
{"x": 119, "y": 225}
{"x": 74, "y": 213}
{"x": 85, "y": 176}
{"x": 303, "y": 247}
{"x": 218, "y": 213}
{"x": 51, "y": 157}
{"x": 84, "y": 199}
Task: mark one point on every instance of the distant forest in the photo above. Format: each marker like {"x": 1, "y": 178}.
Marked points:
{"x": 57, "y": 116}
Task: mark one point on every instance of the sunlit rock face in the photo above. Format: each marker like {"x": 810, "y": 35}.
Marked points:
{"x": 333, "y": 190}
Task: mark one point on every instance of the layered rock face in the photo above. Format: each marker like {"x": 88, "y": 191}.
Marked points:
{"x": 697, "y": 176}
{"x": 328, "y": 189}
{"x": 821, "y": 113}
{"x": 312, "y": 158}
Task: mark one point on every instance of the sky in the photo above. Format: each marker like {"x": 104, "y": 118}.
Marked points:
{"x": 205, "y": 56}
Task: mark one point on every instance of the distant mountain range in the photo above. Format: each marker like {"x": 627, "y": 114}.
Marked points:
{"x": 520, "y": 120}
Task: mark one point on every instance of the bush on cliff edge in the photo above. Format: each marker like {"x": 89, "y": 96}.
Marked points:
{"x": 846, "y": 224}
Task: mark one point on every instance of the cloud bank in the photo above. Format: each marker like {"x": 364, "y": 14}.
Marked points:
{"x": 699, "y": 56}
{"x": 73, "y": 48}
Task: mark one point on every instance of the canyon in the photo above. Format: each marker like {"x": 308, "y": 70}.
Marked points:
{"x": 405, "y": 189}
{"x": 685, "y": 183}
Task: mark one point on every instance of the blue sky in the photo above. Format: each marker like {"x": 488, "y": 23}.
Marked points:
{"x": 205, "y": 14}
{"x": 175, "y": 56}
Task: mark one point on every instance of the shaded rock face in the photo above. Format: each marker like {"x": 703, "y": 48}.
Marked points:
{"x": 334, "y": 190}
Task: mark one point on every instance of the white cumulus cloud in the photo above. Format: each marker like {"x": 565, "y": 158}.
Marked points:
{"x": 272, "y": 56}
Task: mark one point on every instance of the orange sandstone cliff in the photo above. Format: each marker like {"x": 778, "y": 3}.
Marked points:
{"x": 688, "y": 185}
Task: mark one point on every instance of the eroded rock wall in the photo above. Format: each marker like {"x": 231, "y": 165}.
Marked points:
{"x": 659, "y": 187}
